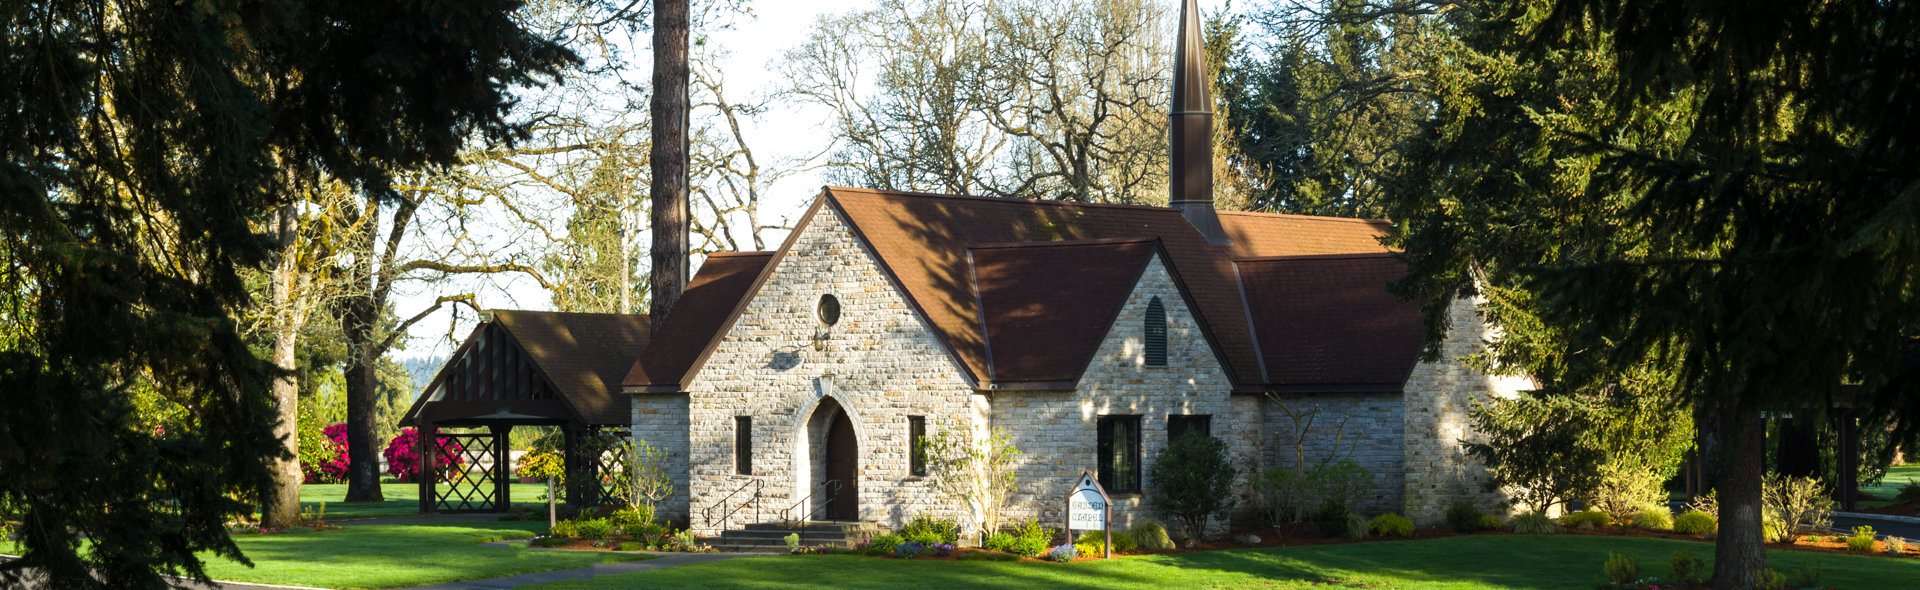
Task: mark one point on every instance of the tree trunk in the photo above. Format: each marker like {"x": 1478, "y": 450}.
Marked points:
{"x": 281, "y": 507}
{"x": 669, "y": 157}
{"x": 357, "y": 321}
{"x": 1739, "y": 557}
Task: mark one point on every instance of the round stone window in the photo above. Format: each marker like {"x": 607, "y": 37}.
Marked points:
{"x": 828, "y": 310}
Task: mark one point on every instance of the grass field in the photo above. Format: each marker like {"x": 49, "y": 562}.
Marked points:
{"x": 397, "y": 556}
{"x": 1506, "y": 562}
{"x": 1897, "y": 476}
{"x": 402, "y": 499}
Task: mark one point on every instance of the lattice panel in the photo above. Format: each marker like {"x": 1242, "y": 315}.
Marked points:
{"x": 614, "y": 461}
{"x": 469, "y": 486}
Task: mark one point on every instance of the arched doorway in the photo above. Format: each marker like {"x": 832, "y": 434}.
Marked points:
{"x": 843, "y": 459}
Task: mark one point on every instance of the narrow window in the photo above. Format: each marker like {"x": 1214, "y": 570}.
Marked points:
{"x": 1120, "y": 454}
{"x": 1156, "y": 333}
{"x": 743, "y": 445}
{"x": 916, "y": 445}
{"x": 1178, "y": 426}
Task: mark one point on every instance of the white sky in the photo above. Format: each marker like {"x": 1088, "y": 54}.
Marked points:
{"x": 754, "y": 44}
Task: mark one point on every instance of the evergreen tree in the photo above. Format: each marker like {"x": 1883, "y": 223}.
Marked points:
{"x": 141, "y": 142}
{"x": 1723, "y": 189}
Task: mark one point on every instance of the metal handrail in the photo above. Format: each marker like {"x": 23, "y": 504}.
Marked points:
{"x": 725, "y": 518}
{"x": 832, "y": 486}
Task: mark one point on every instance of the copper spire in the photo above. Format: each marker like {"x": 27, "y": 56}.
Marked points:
{"x": 1190, "y": 129}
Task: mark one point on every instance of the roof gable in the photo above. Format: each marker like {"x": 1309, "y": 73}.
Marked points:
{"x": 1039, "y": 302}
{"x": 573, "y": 358}
{"x": 1325, "y": 321}
{"x": 712, "y": 299}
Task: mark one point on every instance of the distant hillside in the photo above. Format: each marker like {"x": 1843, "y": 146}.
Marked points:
{"x": 421, "y": 370}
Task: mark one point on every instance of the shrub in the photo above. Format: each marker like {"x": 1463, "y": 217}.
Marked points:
{"x": 1063, "y": 553}
{"x": 1029, "y": 546}
{"x": 1687, "y": 567}
{"x": 1862, "y": 540}
{"x": 1464, "y": 517}
{"x": 1621, "y": 569}
{"x": 1806, "y": 576}
{"x": 1909, "y": 494}
{"x": 1772, "y": 580}
{"x": 1896, "y": 545}
{"x": 564, "y": 528}
{"x": 630, "y": 546}
{"x": 1771, "y": 529}
{"x": 1337, "y": 522}
{"x": 1001, "y": 541}
{"x": 686, "y": 540}
{"x": 793, "y": 542}
{"x": 884, "y": 544}
{"x": 594, "y": 529}
{"x": 908, "y": 550}
{"x": 549, "y": 542}
{"x": 1088, "y": 549}
{"x": 1490, "y": 522}
{"x": 1193, "y": 481}
{"x": 1390, "y": 525}
{"x": 1798, "y": 503}
{"x": 632, "y": 516}
{"x": 403, "y": 459}
{"x": 1122, "y": 542}
{"x": 1695, "y": 523}
{"x": 1595, "y": 518}
{"x": 1031, "y": 539}
{"x": 1150, "y": 535}
{"x": 1533, "y": 523}
{"x": 540, "y": 465}
{"x": 927, "y": 530}
{"x": 1653, "y": 518}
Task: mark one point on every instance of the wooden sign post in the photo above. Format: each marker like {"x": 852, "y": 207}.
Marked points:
{"x": 1088, "y": 508}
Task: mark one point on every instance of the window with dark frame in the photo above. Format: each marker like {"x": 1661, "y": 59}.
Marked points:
{"x": 743, "y": 445}
{"x": 1119, "y": 450}
{"x": 916, "y": 441}
{"x": 1156, "y": 333}
{"x": 1178, "y": 426}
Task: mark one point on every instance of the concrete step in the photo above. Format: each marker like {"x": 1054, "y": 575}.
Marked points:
{"x": 773, "y": 536}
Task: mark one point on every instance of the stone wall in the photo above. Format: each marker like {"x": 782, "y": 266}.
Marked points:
{"x": 778, "y": 363}
{"x": 1056, "y": 430}
{"x": 1438, "y": 397}
{"x": 1366, "y": 427}
{"x": 661, "y": 420}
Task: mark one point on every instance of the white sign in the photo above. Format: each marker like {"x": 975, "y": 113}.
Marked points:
{"x": 1087, "y": 506}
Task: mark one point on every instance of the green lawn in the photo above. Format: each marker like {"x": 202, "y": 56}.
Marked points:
{"x": 1569, "y": 562}
{"x": 395, "y": 556}
{"x": 1897, "y": 476}
{"x": 402, "y": 499}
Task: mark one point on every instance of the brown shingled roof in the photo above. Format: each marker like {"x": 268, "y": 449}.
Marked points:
{"x": 921, "y": 238}
{"x": 1047, "y": 305}
{"x": 584, "y": 354}
{"x": 1328, "y": 322}
{"x": 922, "y": 241}
{"x": 698, "y": 318}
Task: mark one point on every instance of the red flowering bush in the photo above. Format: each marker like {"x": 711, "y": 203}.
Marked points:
{"x": 403, "y": 455}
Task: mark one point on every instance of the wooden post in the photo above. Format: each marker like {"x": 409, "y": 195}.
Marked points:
{"x": 502, "y": 467}
{"x": 429, "y": 435}
{"x": 1847, "y": 457}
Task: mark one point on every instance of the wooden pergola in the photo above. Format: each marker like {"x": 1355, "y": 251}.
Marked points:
{"x": 527, "y": 368}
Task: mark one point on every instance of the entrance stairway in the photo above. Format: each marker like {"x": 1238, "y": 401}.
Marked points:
{"x": 771, "y": 536}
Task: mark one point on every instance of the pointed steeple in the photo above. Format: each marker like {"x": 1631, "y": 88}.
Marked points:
{"x": 1190, "y": 130}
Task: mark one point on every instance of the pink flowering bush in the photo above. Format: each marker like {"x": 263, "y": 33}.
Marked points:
{"x": 403, "y": 455}
{"x": 329, "y": 465}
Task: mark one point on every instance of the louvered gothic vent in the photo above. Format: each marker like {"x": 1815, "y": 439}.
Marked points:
{"x": 1156, "y": 333}
{"x": 494, "y": 369}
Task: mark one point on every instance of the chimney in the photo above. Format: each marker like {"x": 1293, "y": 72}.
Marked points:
{"x": 1190, "y": 130}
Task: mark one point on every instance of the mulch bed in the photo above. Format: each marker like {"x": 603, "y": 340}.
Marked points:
{"x": 1907, "y": 509}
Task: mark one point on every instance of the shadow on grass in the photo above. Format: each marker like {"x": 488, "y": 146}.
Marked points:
{"x": 390, "y": 556}
{"x": 1459, "y": 563}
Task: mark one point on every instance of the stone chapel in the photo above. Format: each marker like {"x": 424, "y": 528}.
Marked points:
{"x": 794, "y": 383}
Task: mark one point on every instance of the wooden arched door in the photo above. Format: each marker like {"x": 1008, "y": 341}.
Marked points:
{"x": 843, "y": 458}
